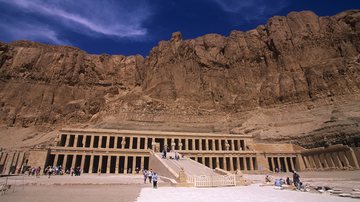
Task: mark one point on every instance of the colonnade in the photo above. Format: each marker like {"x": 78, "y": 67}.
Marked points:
{"x": 11, "y": 162}
{"x": 282, "y": 163}
{"x": 331, "y": 160}
{"x": 228, "y": 162}
{"x": 100, "y": 163}
{"x": 140, "y": 142}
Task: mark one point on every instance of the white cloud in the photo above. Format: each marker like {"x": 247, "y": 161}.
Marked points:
{"x": 29, "y": 31}
{"x": 251, "y": 10}
{"x": 110, "y": 18}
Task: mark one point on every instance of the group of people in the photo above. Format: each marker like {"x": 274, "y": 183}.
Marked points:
{"x": 35, "y": 171}
{"x": 152, "y": 176}
{"x": 280, "y": 182}
{"x": 54, "y": 170}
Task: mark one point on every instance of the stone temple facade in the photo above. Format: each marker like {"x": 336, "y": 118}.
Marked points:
{"x": 128, "y": 151}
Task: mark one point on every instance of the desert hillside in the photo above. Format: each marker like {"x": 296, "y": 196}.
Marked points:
{"x": 294, "y": 79}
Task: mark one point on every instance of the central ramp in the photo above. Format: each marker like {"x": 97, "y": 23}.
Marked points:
{"x": 186, "y": 170}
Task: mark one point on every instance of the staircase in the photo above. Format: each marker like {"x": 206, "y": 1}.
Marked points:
{"x": 188, "y": 171}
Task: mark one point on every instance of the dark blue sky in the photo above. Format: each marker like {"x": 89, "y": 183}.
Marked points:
{"x": 135, "y": 26}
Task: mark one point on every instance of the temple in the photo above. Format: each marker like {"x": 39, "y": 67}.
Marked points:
{"x": 129, "y": 151}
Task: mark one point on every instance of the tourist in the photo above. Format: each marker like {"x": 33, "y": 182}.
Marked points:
{"x": 72, "y": 171}
{"x": 267, "y": 179}
{"x": 155, "y": 180}
{"x": 145, "y": 174}
{"x": 288, "y": 182}
{"x": 278, "y": 183}
{"x": 50, "y": 171}
{"x": 164, "y": 154}
{"x": 37, "y": 171}
{"x": 150, "y": 174}
{"x": 176, "y": 156}
{"x": 296, "y": 179}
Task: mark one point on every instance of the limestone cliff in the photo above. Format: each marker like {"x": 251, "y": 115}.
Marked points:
{"x": 269, "y": 82}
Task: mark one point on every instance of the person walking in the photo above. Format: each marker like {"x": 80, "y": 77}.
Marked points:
{"x": 150, "y": 174}
{"x": 155, "y": 180}
{"x": 145, "y": 174}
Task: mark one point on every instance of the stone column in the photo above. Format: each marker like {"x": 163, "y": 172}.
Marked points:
{"x": 56, "y": 159}
{"x": 225, "y": 163}
{"x": 323, "y": 159}
{"x": 107, "y": 141}
{"x": 138, "y": 143}
{"x": 200, "y": 144}
{"x": 172, "y": 144}
{"x": 342, "y": 156}
{"x": 91, "y": 163}
{"x": 76, "y": 139}
{"x": 329, "y": 160}
{"x": 67, "y": 141}
{"x": 186, "y": 144}
{"x": 217, "y": 162}
{"x": 133, "y": 165}
{"x": 131, "y": 142}
{"x": 232, "y": 145}
{"x": 317, "y": 162}
{"x": 64, "y": 162}
{"x": 244, "y": 145}
{"x": 92, "y": 140}
{"x": 100, "y": 163}
{"x": 84, "y": 141}
{"x": 238, "y": 163}
{"x": 274, "y": 164}
{"x": 125, "y": 164}
{"x": 123, "y": 142}
{"x": 8, "y": 163}
{"x": 82, "y": 163}
{"x": 306, "y": 162}
{"x": 231, "y": 163}
{"x": 117, "y": 164}
{"x": 73, "y": 161}
{"x": 146, "y": 143}
{"x": 352, "y": 158}
{"x": 251, "y": 164}
{"x": 207, "y": 144}
{"x": 142, "y": 163}
{"x": 180, "y": 145}
{"x": 19, "y": 163}
{"x": 292, "y": 163}
{"x": 337, "y": 161}
{"x": 193, "y": 144}
{"x": 2, "y": 154}
{"x": 220, "y": 147}
{"x": 108, "y": 164}
{"x": 213, "y": 145}
{"x": 211, "y": 162}
{"x": 286, "y": 165}
{"x": 115, "y": 141}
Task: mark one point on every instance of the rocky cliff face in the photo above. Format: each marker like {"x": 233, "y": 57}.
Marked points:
{"x": 211, "y": 83}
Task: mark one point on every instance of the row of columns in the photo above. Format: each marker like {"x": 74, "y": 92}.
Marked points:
{"x": 282, "y": 164}
{"x": 99, "y": 164}
{"x": 248, "y": 163}
{"x": 331, "y": 161}
{"x": 222, "y": 144}
{"x": 11, "y": 162}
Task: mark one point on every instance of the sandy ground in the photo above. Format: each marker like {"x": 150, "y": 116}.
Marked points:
{"x": 126, "y": 188}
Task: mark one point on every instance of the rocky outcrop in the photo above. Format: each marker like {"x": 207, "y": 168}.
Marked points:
{"x": 290, "y": 59}
{"x": 295, "y": 59}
